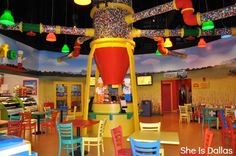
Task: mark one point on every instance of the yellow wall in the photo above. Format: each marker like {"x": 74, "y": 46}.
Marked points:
{"x": 221, "y": 87}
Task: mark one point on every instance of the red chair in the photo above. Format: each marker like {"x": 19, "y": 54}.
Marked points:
{"x": 28, "y": 123}
{"x": 52, "y": 123}
{"x": 208, "y": 137}
{"x": 14, "y": 128}
{"x": 118, "y": 141}
{"x": 232, "y": 132}
{"x": 224, "y": 126}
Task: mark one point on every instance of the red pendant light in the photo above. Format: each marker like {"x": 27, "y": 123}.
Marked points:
{"x": 31, "y": 33}
{"x": 51, "y": 37}
{"x": 202, "y": 43}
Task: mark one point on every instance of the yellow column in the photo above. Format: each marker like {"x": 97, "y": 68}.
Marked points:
{"x": 133, "y": 87}
{"x": 96, "y": 83}
{"x": 87, "y": 88}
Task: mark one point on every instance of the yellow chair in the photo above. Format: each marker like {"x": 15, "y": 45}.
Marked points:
{"x": 184, "y": 114}
{"x": 72, "y": 116}
{"x": 190, "y": 110}
{"x": 95, "y": 140}
{"x": 150, "y": 126}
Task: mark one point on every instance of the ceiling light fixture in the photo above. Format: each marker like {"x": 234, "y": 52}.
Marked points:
{"x": 168, "y": 43}
{"x": 82, "y": 2}
{"x": 208, "y": 25}
{"x": 7, "y": 18}
{"x": 51, "y": 37}
{"x": 158, "y": 53}
{"x": 202, "y": 43}
{"x": 65, "y": 49}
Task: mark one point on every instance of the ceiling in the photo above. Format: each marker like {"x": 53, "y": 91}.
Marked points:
{"x": 29, "y": 11}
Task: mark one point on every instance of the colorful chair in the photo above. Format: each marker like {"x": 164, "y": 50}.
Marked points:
{"x": 118, "y": 141}
{"x": 51, "y": 123}
{"x": 208, "y": 137}
{"x": 150, "y": 126}
{"x": 208, "y": 115}
{"x": 190, "y": 110}
{"x": 183, "y": 114}
{"x": 15, "y": 117}
{"x": 72, "y": 116}
{"x": 224, "y": 126}
{"x": 96, "y": 140}
{"x": 27, "y": 123}
{"x": 232, "y": 133}
{"x": 145, "y": 148}
{"x": 66, "y": 138}
{"x": 229, "y": 112}
{"x": 14, "y": 128}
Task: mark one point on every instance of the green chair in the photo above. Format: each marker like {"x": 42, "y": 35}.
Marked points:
{"x": 209, "y": 116}
{"x": 15, "y": 117}
{"x": 66, "y": 138}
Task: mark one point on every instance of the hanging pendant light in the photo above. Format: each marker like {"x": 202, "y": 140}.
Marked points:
{"x": 168, "y": 43}
{"x": 208, "y": 25}
{"x": 31, "y": 33}
{"x": 7, "y": 18}
{"x": 82, "y": 2}
{"x": 158, "y": 53}
{"x": 65, "y": 49}
{"x": 202, "y": 43}
{"x": 51, "y": 37}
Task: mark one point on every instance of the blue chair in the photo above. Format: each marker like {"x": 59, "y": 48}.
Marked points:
{"x": 15, "y": 117}
{"x": 145, "y": 148}
{"x": 66, "y": 138}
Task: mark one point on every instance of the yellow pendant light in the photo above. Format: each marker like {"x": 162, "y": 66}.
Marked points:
{"x": 168, "y": 43}
{"x": 82, "y": 2}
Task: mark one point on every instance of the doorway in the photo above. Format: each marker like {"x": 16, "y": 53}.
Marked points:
{"x": 166, "y": 97}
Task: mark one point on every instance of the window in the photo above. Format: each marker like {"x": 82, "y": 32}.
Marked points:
{"x": 144, "y": 80}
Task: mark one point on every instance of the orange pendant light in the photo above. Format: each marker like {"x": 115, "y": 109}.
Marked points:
{"x": 202, "y": 43}
{"x": 51, "y": 37}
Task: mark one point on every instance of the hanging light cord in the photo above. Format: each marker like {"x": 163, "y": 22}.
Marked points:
{"x": 52, "y": 12}
{"x": 66, "y": 21}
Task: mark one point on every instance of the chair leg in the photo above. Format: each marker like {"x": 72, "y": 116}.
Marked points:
{"x": 59, "y": 150}
{"x": 102, "y": 146}
{"x": 161, "y": 152}
{"x": 72, "y": 150}
{"x": 98, "y": 146}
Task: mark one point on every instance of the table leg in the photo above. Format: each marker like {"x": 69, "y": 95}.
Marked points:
{"x": 61, "y": 115}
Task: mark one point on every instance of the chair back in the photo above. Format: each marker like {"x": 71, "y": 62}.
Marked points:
{"x": 189, "y": 107}
{"x": 230, "y": 124}
{"x": 26, "y": 117}
{"x": 15, "y": 118}
{"x": 221, "y": 116}
{"x": 150, "y": 126}
{"x": 145, "y": 148}
{"x": 229, "y": 112}
{"x": 208, "y": 137}
{"x": 183, "y": 110}
{"x": 118, "y": 139}
{"x": 101, "y": 128}
{"x": 14, "y": 128}
{"x": 65, "y": 130}
{"x": 74, "y": 110}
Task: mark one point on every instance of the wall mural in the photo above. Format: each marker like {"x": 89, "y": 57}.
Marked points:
{"x": 218, "y": 52}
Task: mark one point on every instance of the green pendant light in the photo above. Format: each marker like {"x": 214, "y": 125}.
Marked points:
{"x": 158, "y": 53}
{"x": 7, "y": 19}
{"x": 65, "y": 49}
{"x": 208, "y": 25}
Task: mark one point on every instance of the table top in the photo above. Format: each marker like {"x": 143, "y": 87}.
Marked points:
{"x": 165, "y": 137}
{"x": 38, "y": 113}
{"x": 81, "y": 123}
{"x": 2, "y": 122}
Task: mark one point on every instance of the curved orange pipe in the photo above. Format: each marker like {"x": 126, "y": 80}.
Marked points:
{"x": 160, "y": 46}
{"x": 187, "y": 11}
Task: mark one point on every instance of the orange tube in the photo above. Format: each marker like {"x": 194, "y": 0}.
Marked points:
{"x": 160, "y": 46}
{"x": 187, "y": 11}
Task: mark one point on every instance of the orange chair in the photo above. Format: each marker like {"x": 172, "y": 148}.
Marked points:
{"x": 52, "y": 123}
{"x": 208, "y": 137}
{"x": 28, "y": 123}
{"x": 232, "y": 132}
{"x": 14, "y": 128}
{"x": 118, "y": 141}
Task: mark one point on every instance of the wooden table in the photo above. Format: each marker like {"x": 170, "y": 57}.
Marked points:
{"x": 3, "y": 122}
{"x": 165, "y": 137}
{"x": 38, "y": 114}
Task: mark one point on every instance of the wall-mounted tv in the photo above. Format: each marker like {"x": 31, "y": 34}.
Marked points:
{"x": 144, "y": 80}
{"x": 92, "y": 81}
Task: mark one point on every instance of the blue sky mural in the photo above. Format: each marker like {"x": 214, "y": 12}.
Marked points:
{"x": 217, "y": 52}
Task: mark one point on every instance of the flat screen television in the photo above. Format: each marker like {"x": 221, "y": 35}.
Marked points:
{"x": 144, "y": 80}
{"x": 92, "y": 81}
